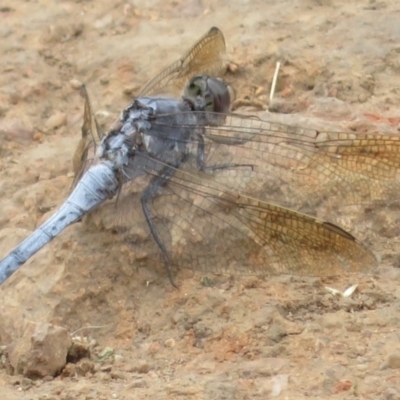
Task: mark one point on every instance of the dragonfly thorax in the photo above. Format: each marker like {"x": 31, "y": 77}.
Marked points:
{"x": 160, "y": 128}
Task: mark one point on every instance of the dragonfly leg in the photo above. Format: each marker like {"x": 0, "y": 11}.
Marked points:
{"x": 157, "y": 182}
{"x": 201, "y": 165}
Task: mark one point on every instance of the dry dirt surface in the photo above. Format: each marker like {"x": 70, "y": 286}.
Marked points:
{"x": 219, "y": 337}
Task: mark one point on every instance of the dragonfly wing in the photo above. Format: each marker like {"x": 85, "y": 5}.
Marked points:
{"x": 90, "y": 138}
{"x": 206, "y": 56}
{"x": 207, "y": 228}
{"x": 294, "y": 166}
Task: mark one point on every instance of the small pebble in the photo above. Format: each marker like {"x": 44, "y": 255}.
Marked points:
{"x": 117, "y": 375}
{"x": 131, "y": 90}
{"x": 390, "y": 394}
{"x": 392, "y": 361}
{"x": 259, "y": 91}
{"x": 37, "y": 136}
{"x": 169, "y": 343}
{"x": 141, "y": 366}
{"x": 154, "y": 347}
{"x": 118, "y": 358}
{"x": 233, "y": 68}
{"x": 56, "y": 120}
{"x": 26, "y": 383}
{"x": 137, "y": 383}
{"x": 362, "y": 98}
{"x": 104, "y": 377}
{"x": 106, "y": 368}
{"x": 75, "y": 83}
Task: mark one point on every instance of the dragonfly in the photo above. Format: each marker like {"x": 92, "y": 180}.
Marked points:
{"x": 214, "y": 189}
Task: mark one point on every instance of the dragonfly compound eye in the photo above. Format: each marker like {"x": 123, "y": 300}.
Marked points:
{"x": 220, "y": 93}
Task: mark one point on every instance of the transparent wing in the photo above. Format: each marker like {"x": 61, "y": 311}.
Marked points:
{"x": 206, "y": 57}
{"x": 300, "y": 167}
{"x": 210, "y": 220}
{"x": 91, "y": 136}
{"x": 206, "y": 226}
{"x": 209, "y": 229}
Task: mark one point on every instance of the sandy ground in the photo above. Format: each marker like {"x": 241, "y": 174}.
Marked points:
{"x": 242, "y": 338}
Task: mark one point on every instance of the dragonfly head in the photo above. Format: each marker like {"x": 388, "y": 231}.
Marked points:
{"x": 208, "y": 94}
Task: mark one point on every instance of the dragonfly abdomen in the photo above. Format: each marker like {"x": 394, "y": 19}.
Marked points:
{"x": 98, "y": 184}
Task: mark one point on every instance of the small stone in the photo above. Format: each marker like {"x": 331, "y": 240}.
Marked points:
{"x": 56, "y": 120}
{"x": 106, "y": 368}
{"x": 362, "y": 97}
{"x": 117, "y": 375}
{"x": 37, "y": 136}
{"x": 69, "y": 370}
{"x": 75, "y": 83}
{"x": 179, "y": 317}
{"x": 170, "y": 343}
{"x": 233, "y": 68}
{"x": 85, "y": 367}
{"x": 392, "y": 361}
{"x": 276, "y": 332}
{"x": 137, "y": 383}
{"x": 130, "y": 91}
{"x": 259, "y": 91}
{"x": 104, "y": 377}
{"x": 144, "y": 327}
{"x": 118, "y": 358}
{"x": 342, "y": 386}
{"x": 26, "y": 383}
{"x": 366, "y": 333}
{"x": 201, "y": 330}
{"x": 142, "y": 367}
{"x": 362, "y": 367}
{"x": 360, "y": 350}
{"x": 154, "y": 347}
{"x": 42, "y": 351}
{"x": 281, "y": 106}
{"x": 391, "y": 394}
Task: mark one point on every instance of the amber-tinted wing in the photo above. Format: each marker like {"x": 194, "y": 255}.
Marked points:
{"x": 354, "y": 168}
{"x": 212, "y": 222}
{"x": 296, "y": 166}
{"x": 207, "y": 227}
{"x": 91, "y": 136}
{"x": 206, "y": 56}
{"x": 217, "y": 230}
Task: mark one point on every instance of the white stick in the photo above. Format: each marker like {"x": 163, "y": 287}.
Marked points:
{"x": 274, "y": 79}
